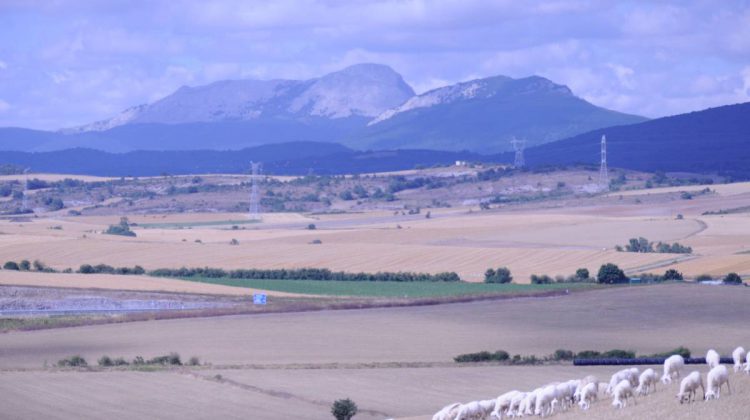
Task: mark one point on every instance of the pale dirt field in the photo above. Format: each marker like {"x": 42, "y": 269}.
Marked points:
{"x": 453, "y": 240}
{"x": 53, "y": 177}
{"x": 721, "y": 189}
{"x": 300, "y": 362}
{"x": 647, "y": 319}
{"x": 117, "y": 282}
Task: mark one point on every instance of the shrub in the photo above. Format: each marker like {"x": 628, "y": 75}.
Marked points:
{"x": 482, "y": 356}
{"x": 682, "y": 351}
{"x": 542, "y": 279}
{"x": 11, "y": 265}
{"x": 582, "y": 274}
{"x": 234, "y": 242}
{"x": 344, "y": 409}
{"x": 311, "y": 226}
{"x": 105, "y": 361}
{"x": 561, "y": 354}
{"x": 704, "y": 277}
{"x": 24, "y": 265}
{"x": 194, "y": 361}
{"x": 732, "y": 278}
{"x": 138, "y": 361}
{"x": 316, "y": 242}
{"x": 72, "y": 361}
{"x": 501, "y": 275}
{"x": 120, "y": 362}
{"x": 611, "y": 274}
{"x": 672, "y": 274}
{"x": 588, "y": 354}
{"x": 618, "y": 354}
{"x": 170, "y": 359}
{"x": 122, "y": 228}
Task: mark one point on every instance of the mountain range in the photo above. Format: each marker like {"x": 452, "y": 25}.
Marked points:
{"x": 364, "y": 106}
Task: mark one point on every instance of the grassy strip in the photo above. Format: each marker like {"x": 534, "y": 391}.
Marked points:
{"x": 182, "y": 225}
{"x": 390, "y": 289}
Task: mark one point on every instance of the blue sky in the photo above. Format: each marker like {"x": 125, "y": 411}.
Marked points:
{"x": 69, "y": 62}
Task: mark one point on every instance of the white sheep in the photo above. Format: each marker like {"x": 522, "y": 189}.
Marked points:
{"x": 672, "y": 367}
{"x": 565, "y": 393}
{"x": 515, "y": 404}
{"x": 717, "y": 377}
{"x": 747, "y": 363}
{"x": 588, "y": 394}
{"x": 502, "y": 403}
{"x": 689, "y": 385}
{"x": 631, "y": 374}
{"x": 590, "y": 379}
{"x": 447, "y": 413}
{"x": 713, "y": 359}
{"x": 737, "y": 355}
{"x": 470, "y": 410}
{"x": 545, "y": 401}
{"x": 623, "y": 389}
{"x": 647, "y": 379}
{"x": 529, "y": 402}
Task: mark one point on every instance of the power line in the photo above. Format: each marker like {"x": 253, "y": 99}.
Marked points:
{"x": 254, "y": 197}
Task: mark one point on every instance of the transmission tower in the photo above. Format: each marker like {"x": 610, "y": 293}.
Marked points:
{"x": 518, "y": 146}
{"x": 254, "y": 198}
{"x": 603, "y": 175}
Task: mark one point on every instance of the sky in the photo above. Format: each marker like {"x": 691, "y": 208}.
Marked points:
{"x": 70, "y": 62}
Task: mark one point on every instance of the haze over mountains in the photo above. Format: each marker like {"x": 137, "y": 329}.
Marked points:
{"x": 365, "y": 106}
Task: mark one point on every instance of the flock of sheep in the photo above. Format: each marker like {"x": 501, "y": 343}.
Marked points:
{"x": 623, "y": 386}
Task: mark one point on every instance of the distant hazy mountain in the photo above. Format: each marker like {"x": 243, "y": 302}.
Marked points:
{"x": 715, "y": 140}
{"x": 365, "y": 107}
{"x": 362, "y": 90}
{"x": 484, "y": 115}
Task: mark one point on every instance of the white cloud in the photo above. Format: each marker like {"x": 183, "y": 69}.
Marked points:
{"x": 4, "y": 106}
{"x": 3, "y": 66}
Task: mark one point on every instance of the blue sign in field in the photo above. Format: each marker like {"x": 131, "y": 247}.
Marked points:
{"x": 259, "y": 298}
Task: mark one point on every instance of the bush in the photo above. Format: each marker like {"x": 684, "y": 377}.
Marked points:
{"x": 611, "y": 274}
{"x": 138, "y": 361}
{"x": 501, "y": 275}
{"x": 672, "y": 274}
{"x": 72, "y": 361}
{"x": 24, "y": 265}
{"x": 311, "y": 226}
{"x": 588, "y": 354}
{"x": 704, "y": 277}
{"x": 682, "y": 351}
{"x": 618, "y": 354}
{"x": 542, "y": 279}
{"x": 732, "y": 278}
{"x": 170, "y": 359}
{"x": 105, "y": 361}
{"x": 194, "y": 361}
{"x": 122, "y": 228}
{"x": 561, "y": 354}
{"x": 344, "y": 409}
{"x": 11, "y": 265}
{"x": 582, "y": 274}
{"x": 234, "y": 242}
{"x": 482, "y": 356}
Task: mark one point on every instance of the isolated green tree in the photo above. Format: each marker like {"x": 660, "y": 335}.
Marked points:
{"x": 344, "y": 409}
{"x": 732, "y": 278}
{"x": 611, "y": 274}
{"x": 501, "y": 275}
{"x": 582, "y": 274}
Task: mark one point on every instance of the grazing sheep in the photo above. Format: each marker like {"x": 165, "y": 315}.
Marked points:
{"x": 529, "y": 403}
{"x": 737, "y": 355}
{"x": 747, "y": 363}
{"x": 713, "y": 359}
{"x": 470, "y": 410}
{"x": 447, "y": 413}
{"x": 647, "y": 379}
{"x": 623, "y": 389}
{"x": 589, "y": 393}
{"x": 515, "y": 404}
{"x": 689, "y": 385}
{"x": 566, "y": 393}
{"x": 631, "y": 374}
{"x": 714, "y": 380}
{"x": 502, "y": 403}
{"x": 672, "y": 367}
{"x": 545, "y": 401}
{"x": 590, "y": 379}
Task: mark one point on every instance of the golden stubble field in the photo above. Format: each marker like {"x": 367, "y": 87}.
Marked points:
{"x": 300, "y": 362}
{"x": 553, "y": 241}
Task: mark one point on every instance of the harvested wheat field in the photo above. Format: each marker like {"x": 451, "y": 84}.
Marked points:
{"x": 553, "y": 242}
{"x": 399, "y": 366}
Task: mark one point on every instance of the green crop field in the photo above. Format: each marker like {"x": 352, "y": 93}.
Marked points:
{"x": 187, "y": 225}
{"x": 388, "y": 288}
